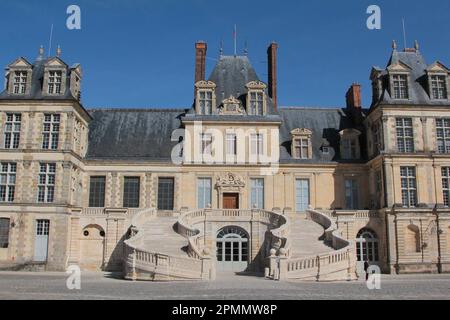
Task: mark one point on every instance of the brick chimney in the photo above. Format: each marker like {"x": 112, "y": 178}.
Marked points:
{"x": 272, "y": 74}
{"x": 200, "y": 60}
{"x": 354, "y": 96}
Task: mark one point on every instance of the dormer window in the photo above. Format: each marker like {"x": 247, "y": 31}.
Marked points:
{"x": 20, "y": 82}
{"x": 205, "y": 101}
{"x": 54, "y": 82}
{"x": 438, "y": 87}
{"x": 256, "y": 102}
{"x": 400, "y": 86}
{"x": 350, "y": 148}
{"x": 301, "y": 144}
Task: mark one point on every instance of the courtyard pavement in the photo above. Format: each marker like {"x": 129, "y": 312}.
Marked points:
{"x": 52, "y": 285}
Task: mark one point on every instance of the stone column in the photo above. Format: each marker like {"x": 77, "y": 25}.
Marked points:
{"x": 74, "y": 241}
{"x": 386, "y": 145}
{"x": 115, "y": 233}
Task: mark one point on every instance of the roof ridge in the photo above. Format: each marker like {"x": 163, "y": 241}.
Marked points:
{"x": 318, "y": 108}
{"x": 137, "y": 109}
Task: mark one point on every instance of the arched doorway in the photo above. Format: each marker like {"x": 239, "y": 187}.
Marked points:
{"x": 367, "y": 249}
{"x": 92, "y": 247}
{"x": 232, "y": 249}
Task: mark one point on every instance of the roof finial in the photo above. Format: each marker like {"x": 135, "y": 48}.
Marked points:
{"x": 246, "y": 48}
{"x": 58, "y": 51}
{"x": 41, "y": 53}
{"x": 394, "y": 45}
{"x": 221, "y": 48}
{"x": 416, "y": 45}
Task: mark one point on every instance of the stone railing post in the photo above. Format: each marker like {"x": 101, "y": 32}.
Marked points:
{"x": 272, "y": 264}
{"x": 283, "y": 265}
{"x": 133, "y": 266}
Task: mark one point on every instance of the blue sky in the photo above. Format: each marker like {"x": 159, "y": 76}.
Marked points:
{"x": 140, "y": 53}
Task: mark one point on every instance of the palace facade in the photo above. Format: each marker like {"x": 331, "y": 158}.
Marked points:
{"x": 233, "y": 183}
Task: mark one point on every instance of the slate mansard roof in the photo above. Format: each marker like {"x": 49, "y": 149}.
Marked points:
{"x": 37, "y": 79}
{"x": 418, "y": 86}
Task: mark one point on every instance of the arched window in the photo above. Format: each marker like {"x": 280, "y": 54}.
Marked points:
{"x": 232, "y": 248}
{"x": 367, "y": 246}
{"x": 412, "y": 239}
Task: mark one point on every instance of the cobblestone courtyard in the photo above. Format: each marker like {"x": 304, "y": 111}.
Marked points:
{"x": 31, "y": 285}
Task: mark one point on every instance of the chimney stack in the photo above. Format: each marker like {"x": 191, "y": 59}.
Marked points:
{"x": 200, "y": 60}
{"x": 272, "y": 74}
{"x": 354, "y": 96}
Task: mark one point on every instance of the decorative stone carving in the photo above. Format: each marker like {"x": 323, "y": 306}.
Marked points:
{"x": 256, "y": 85}
{"x": 230, "y": 180}
{"x": 231, "y": 106}
{"x": 301, "y": 132}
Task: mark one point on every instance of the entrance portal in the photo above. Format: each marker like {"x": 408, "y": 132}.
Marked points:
{"x": 231, "y": 200}
{"x": 232, "y": 249}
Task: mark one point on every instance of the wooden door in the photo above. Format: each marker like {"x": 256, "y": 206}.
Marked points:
{"x": 231, "y": 201}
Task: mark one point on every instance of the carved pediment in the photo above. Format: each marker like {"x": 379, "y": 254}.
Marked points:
{"x": 256, "y": 85}
{"x": 230, "y": 180}
{"x": 205, "y": 84}
{"x": 301, "y": 132}
{"x": 231, "y": 106}
{"x": 20, "y": 63}
{"x": 55, "y": 62}
{"x": 399, "y": 67}
{"x": 437, "y": 67}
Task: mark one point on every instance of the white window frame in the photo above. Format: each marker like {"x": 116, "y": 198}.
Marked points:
{"x": 206, "y": 143}
{"x": 400, "y": 86}
{"x": 205, "y": 101}
{"x": 20, "y": 82}
{"x": 408, "y": 177}
{"x": 446, "y": 185}
{"x": 50, "y": 131}
{"x": 256, "y": 100}
{"x": 405, "y": 140}
{"x": 443, "y": 135}
{"x": 54, "y": 85}
{"x": 438, "y": 87}
{"x": 231, "y": 144}
{"x": 12, "y": 131}
{"x": 8, "y": 171}
{"x": 257, "y": 193}
{"x": 257, "y": 144}
{"x": 46, "y": 182}
{"x": 204, "y": 192}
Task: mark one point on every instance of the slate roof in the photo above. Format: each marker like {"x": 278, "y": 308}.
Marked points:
{"x": 419, "y": 94}
{"x": 121, "y": 134}
{"x": 37, "y": 79}
{"x": 325, "y": 125}
{"x": 231, "y": 74}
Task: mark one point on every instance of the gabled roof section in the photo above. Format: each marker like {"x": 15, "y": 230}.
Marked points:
{"x": 413, "y": 62}
{"x": 20, "y": 62}
{"x": 37, "y": 79}
{"x": 438, "y": 67}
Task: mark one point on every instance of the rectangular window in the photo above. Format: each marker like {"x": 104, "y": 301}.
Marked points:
{"x": 301, "y": 195}
{"x": 54, "y": 82}
{"x": 257, "y": 193}
{"x": 165, "y": 193}
{"x": 4, "y": 233}
{"x": 203, "y": 193}
{"x": 438, "y": 88}
{"x": 349, "y": 148}
{"x": 405, "y": 135}
{"x": 443, "y": 135}
{"x": 231, "y": 144}
{"x": 20, "y": 82}
{"x": 351, "y": 194}
{"x": 205, "y": 101}
{"x": 46, "y": 183}
{"x": 12, "y": 130}
{"x": 206, "y": 143}
{"x": 50, "y": 133}
{"x": 378, "y": 187}
{"x": 400, "y": 86}
{"x": 409, "y": 186}
{"x": 7, "y": 181}
{"x": 256, "y": 142}
{"x": 97, "y": 192}
{"x": 131, "y": 190}
{"x": 256, "y": 103}
{"x": 446, "y": 185}
{"x": 301, "y": 148}
{"x": 377, "y": 138}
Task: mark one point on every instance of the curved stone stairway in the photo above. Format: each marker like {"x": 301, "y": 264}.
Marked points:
{"x": 161, "y": 236}
{"x": 306, "y": 237}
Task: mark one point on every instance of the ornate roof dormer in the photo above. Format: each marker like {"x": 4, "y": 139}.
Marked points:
{"x": 231, "y": 106}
